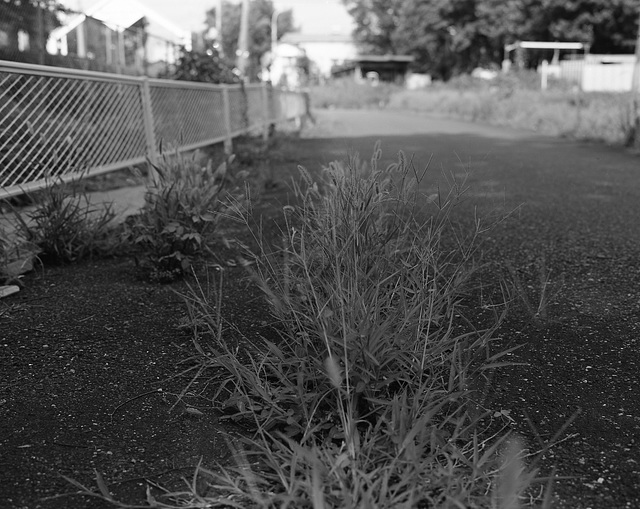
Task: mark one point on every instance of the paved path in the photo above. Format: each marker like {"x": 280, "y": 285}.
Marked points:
{"x": 580, "y": 214}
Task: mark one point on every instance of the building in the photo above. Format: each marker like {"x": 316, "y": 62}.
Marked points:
{"x": 326, "y": 52}
{"x": 124, "y": 36}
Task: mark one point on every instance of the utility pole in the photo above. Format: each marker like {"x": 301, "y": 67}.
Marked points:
{"x": 635, "y": 91}
{"x": 219, "y": 28}
{"x": 274, "y": 29}
{"x": 243, "y": 42}
{"x": 40, "y": 34}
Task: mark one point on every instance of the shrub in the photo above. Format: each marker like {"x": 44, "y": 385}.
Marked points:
{"x": 183, "y": 207}
{"x": 366, "y": 396}
{"x": 65, "y": 226}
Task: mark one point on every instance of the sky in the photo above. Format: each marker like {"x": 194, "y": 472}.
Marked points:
{"x": 312, "y": 16}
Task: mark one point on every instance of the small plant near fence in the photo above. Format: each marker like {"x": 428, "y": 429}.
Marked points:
{"x": 16, "y": 258}
{"x": 65, "y": 226}
{"x": 183, "y": 207}
{"x": 364, "y": 396}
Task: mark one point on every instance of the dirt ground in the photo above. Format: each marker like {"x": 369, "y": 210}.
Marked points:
{"x": 88, "y": 350}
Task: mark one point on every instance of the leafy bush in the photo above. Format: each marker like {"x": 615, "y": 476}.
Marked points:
{"x": 183, "y": 207}
{"x": 201, "y": 66}
{"x": 65, "y": 226}
{"x": 367, "y": 398}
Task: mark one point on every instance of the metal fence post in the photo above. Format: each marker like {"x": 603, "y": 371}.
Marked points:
{"x": 149, "y": 131}
{"x": 228, "y": 141}
{"x": 266, "y": 125}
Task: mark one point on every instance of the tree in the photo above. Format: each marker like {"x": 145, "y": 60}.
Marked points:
{"x": 260, "y": 15}
{"x": 36, "y": 18}
{"x": 448, "y": 37}
{"x": 376, "y": 22}
{"x": 204, "y": 66}
{"x": 608, "y": 26}
{"x": 444, "y": 36}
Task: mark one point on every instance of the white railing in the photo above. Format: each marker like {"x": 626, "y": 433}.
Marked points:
{"x": 65, "y": 123}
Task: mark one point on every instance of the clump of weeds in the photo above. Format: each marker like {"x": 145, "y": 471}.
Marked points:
{"x": 183, "y": 207}
{"x": 64, "y": 226}
{"x": 536, "y": 291}
{"x": 364, "y": 396}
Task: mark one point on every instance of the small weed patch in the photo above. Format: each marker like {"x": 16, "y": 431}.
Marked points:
{"x": 65, "y": 227}
{"x": 183, "y": 207}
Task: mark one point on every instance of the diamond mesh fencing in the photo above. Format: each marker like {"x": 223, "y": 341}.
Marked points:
{"x": 237, "y": 110}
{"x": 187, "y": 117}
{"x": 255, "y": 106}
{"x": 53, "y": 125}
{"x": 67, "y": 123}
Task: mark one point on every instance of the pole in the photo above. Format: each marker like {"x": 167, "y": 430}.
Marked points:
{"x": 149, "y": 128}
{"x": 40, "y": 37}
{"x": 635, "y": 85}
{"x": 219, "y": 28}
{"x": 274, "y": 29}
{"x": 243, "y": 42}
{"x": 634, "y": 135}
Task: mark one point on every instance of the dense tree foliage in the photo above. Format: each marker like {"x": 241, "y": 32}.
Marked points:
{"x": 260, "y": 14}
{"x": 35, "y": 18}
{"x": 447, "y": 37}
{"x": 204, "y": 65}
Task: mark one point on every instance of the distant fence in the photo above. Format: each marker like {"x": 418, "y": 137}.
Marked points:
{"x": 600, "y": 73}
{"x": 66, "y": 123}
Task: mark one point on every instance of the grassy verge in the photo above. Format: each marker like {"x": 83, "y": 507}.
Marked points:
{"x": 513, "y": 100}
{"x": 585, "y": 116}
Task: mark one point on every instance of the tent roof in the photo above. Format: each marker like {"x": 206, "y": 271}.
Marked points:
{"x": 544, "y": 45}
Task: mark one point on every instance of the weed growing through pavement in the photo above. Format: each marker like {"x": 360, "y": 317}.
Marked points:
{"x": 16, "y": 258}
{"x": 65, "y": 226}
{"x": 536, "y": 297}
{"x": 365, "y": 398}
{"x": 183, "y": 207}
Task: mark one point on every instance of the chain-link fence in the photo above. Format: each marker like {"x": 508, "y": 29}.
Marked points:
{"x": 66, "y": 123}
{"x": 38, "y": 33}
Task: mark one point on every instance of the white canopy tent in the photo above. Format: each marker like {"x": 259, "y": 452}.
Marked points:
{"x": 555, "y": 46}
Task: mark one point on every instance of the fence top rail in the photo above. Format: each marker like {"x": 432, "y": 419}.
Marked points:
{"x": 64, "y": 72}
{"x": 156, "y": 82}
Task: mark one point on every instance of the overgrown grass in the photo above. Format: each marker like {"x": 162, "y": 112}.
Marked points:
{"x": 587, "y": 116}
{"x": 183, "y": 208}
{"x": 16, "y": 258}
{"x": 65, "y": 226}
{"x": 369, "y": 394}
{"x": 513, "y": 100}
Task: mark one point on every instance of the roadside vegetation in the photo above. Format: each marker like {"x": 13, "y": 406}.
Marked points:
{"x": 368, "y": 390}
{"x": 514, "y": 100}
